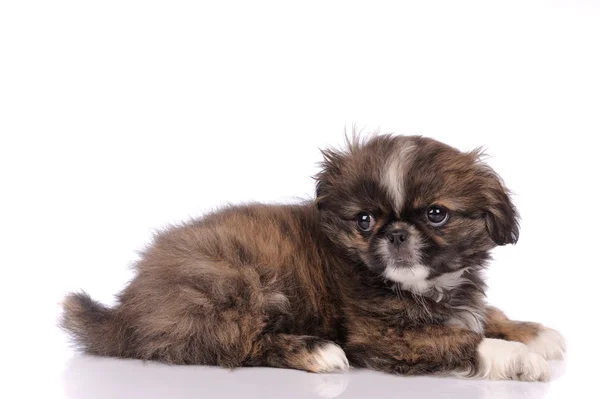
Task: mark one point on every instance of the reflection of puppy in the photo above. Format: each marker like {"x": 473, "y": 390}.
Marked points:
{"x": 88, "y": 377}
{"x": 383, "y": 268}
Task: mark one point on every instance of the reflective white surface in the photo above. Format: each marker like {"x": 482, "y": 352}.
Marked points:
{"x": 89, "y": 378}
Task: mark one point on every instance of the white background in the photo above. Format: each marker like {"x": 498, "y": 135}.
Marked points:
{"x": 119, "y": 117}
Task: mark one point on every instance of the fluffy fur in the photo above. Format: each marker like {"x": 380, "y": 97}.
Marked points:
{"x": 305, "y": 286}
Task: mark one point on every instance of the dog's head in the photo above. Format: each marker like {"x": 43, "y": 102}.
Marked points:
{"x": 414, "y": 210}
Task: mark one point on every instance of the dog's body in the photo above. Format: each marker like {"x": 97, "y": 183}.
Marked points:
{"x": 369, "y": 274}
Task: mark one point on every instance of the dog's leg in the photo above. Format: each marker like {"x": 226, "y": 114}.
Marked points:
{"x": 447, "y": 351}
{"x": 543, "y": 340}
{"x": 302, "y": 352}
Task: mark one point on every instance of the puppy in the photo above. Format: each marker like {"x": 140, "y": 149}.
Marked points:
{"x": 382, "y": 270}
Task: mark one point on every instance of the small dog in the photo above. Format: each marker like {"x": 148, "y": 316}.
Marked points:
{"x": 382, "y": 270}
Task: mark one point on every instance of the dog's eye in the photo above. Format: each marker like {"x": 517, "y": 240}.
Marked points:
{"x": 365, "y": 221}
{"x": 437, "y": 215}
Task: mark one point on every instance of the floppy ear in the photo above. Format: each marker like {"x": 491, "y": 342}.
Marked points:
{"x": 501, "y": 216}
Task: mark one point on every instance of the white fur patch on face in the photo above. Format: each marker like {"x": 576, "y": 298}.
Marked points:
{"x": 394, "y": 173}
{"x": 330, "y": 358}
{"x": 549, "y": 343}
{"x": 412, "y": 278}
{"x": 415, "y": 279}
{"x": 507, "y": 360}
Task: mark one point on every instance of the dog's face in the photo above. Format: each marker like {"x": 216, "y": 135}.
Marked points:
{"x": 414, "y": 210}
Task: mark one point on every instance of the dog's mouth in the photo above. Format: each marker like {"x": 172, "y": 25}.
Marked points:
{"x": 402, "y": 257}
{"x": 397, "y": 257}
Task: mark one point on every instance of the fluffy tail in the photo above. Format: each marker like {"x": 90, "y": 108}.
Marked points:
{"x": 93, "y": 327}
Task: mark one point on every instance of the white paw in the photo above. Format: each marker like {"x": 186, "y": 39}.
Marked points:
{"x": 507, "y": 360}
{"x": 549, "y": 343}
{"x": 330, "y": 358}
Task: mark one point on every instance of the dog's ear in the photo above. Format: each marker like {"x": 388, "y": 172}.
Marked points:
{"x": 331, "y": 170}
{"x": 501, "y": 215}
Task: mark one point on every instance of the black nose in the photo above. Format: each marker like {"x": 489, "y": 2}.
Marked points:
{"x": 397, "y": 236}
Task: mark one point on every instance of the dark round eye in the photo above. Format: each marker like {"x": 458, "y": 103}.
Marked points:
{"x": 437, "y": 215}
{"x": 365, "y": 221}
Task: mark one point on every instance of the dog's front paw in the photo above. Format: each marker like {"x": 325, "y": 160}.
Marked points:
{"x": 549, "y": 343}
{"x": 507, "y": 360}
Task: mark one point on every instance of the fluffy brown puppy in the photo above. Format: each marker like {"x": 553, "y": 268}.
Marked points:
{"x": 382, "y": 270}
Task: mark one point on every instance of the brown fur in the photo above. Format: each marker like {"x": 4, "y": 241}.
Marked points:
{"x": 501, "y": 327}
{"x": 267, "y": 285}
